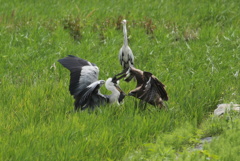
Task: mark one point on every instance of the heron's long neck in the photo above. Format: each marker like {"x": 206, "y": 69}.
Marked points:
{"x": 114, "y": 96}
{"x": 125, "y": 41}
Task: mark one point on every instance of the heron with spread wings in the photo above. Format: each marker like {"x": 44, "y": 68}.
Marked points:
{"x": 85, "y": 86}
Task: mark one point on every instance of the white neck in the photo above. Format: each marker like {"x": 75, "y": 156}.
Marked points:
{"x": 125, "y": 41}
{"x": 115, "y": 93}
{"x": 114, "y": 96}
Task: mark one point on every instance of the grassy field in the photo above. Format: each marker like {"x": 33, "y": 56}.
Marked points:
{"x": 193, "y": 47}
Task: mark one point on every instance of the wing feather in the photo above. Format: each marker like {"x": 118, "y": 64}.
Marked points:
{"x": 126, "y": 57}
{"x": 83, "y": 73}
{"x": 88, "y": 75}
{"x": 153, "y": 90}
{"x": 131, "y": 57}
{"x": 158, "y": 85}
{"x": 90, "y": 97}
{"x": 89, "y": 90}
{"x": 160, "y": 88}
{"x": 149, "y": 92}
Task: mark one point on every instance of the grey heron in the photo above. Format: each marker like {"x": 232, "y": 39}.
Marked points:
{"x": 84, "y": 84}
{"x": 148, "y": 89}
{"x": 125, "y": 56}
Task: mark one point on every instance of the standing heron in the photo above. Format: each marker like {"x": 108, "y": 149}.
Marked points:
{"x": 148, "y": 89}
{"x": 84, "y": 84}
{"x": 125, "y": 56}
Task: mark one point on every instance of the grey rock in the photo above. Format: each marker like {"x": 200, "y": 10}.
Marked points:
{"x": 223, "y": 108}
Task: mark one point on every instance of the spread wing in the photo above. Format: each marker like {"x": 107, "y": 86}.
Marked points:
{"x": 156, "y": 84}
{"x": 160, "y": 88}
{"x": 149, "y": 88}
{"x": 83, "y": 73}
{"x": 84, "y": 83}
{"x": 90, "y": 96}
{"x": 149, "y": 92}
{"x": 153, "y": 90}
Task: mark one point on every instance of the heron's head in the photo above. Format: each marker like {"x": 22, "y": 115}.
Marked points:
{"x": 124, "y": 22}
{"x": 102, "y": 82}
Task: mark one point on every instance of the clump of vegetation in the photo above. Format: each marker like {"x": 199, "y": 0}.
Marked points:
{"x": 119, "y": 23}
{"x": 149, "y": 26}
{"x": 72, "y": 25}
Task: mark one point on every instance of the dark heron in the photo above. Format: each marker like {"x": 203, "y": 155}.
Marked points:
{"x": 149, "y": 89}
{"x": 84, "y": 84}
{"x": 125, "y": 56}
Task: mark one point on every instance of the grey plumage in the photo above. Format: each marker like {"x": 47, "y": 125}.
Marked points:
{"x": 84, "y": 84}
{"x": 125, "y": 56}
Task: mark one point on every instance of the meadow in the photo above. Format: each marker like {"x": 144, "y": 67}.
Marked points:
{"x": 192, "y": 46}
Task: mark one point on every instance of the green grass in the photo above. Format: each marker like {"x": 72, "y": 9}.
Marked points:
{"x": 191, "y": 46}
